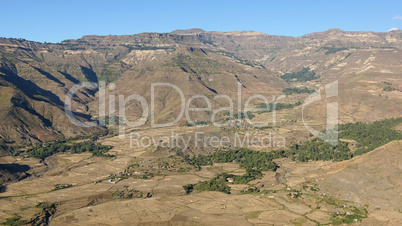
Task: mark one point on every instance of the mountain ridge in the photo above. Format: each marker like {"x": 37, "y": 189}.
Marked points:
{"x": 195, "y": 31}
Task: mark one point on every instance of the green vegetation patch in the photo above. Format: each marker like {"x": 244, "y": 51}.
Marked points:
{"x": 211, "y": 185}
{"x": 278, "y": 106}
{"x": 241, "y": 115}
{"x": 289, "y": 91}
{"x": 15, "y": 220}
{"x": 331, "y": 50}
{"x": 199, "y": 123}
{"x": 317, "y": 149}
{"x": 246, "y": 158}
{"x": 371, "y": 135}
{"x": 219, "y": 183}
{"x": 350, "y": 214}
{"x": 61, "y": 186}
{"x": 303, "y": 75}
{"x": 390, "y": 89}
{"x": 42, "y": 151}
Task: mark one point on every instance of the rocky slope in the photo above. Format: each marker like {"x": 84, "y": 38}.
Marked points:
{"x": 35, "y": 77}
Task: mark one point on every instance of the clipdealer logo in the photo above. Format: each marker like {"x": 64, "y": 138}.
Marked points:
{"x": 331, "y": 129}
{"x": 331, "y": 90}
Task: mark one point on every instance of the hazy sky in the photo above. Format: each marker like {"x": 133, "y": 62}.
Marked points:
{"x": 54, "y": 21}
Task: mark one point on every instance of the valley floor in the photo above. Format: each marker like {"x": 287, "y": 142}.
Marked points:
{"x": 88, "y": 190}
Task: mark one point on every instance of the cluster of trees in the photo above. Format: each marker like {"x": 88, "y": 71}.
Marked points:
{"x": 219, "y": 183}
{"x": 188, "y": 188}
{"x": 241, "y": 115}
{"x": 95, "y": 148}
{"x": 289, "y": 91}
{"x": 371, "y": 136}
{"x": 246, "y": 158}
{"x": 61, "y": 186}
{"x": 213, "y": 185}
{"x": 389, "y": 89}
{"x": 251, "y": 190}
{"x": 317, "y": 149}
{"x": 278, "y": 106}
{"x": 303, "y": 75}
{"x": 42, "y": 151}
{"x": 199, "y": 123}
{"x": 250, "y": 175}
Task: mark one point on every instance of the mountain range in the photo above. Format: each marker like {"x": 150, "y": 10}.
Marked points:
{"x": 35, "y": 77}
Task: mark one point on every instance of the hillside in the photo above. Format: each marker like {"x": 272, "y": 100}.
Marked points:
{"x": 36, "y": 76}
{"x": 373, "y": 178}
